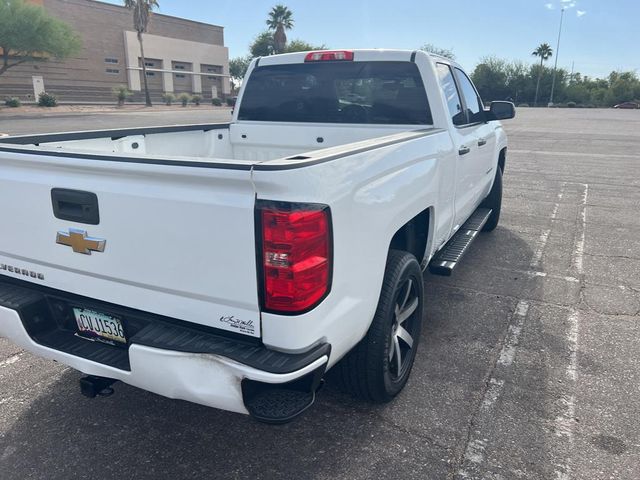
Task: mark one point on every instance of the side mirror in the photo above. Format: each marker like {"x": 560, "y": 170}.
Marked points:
{"x": 501, "y": 111}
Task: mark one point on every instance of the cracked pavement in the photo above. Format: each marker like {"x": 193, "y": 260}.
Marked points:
{"x": 529, "y": 365}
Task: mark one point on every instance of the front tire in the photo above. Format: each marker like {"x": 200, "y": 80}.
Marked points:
{"x": 378, "y": 368}
{"x": 494, "y": 202}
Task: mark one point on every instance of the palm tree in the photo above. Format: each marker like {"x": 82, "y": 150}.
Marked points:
{"x": 141, "y": 13}
{"x": 280, "y": 19}
{"x": 545, "y": 52}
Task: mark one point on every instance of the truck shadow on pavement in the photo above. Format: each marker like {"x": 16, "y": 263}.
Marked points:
{"x": 422, "y": 434}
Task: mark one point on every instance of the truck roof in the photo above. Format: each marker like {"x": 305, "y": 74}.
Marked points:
{"x": 359, "y": 55}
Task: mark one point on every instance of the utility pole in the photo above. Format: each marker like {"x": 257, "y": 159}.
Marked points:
{"x": 555, "y": 67}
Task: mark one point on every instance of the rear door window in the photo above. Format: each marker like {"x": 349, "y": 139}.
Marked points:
{"x": 451, "y": 95}
{"x": 337, "y": 92}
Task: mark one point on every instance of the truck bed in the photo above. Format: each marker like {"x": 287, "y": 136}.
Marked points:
{"x": 221, "y": 144}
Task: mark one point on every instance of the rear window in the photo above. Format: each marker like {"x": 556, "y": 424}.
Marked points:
{"x": 337, "y": 92}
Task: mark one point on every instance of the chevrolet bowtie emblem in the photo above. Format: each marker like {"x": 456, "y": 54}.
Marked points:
{"x": 80, "y": 242}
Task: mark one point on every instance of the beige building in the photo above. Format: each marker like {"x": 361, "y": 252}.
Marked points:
{"x": 180, "y": 55}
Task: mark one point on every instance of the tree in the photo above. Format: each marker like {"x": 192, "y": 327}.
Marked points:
{"x": 545, "y": 52}
{"x": 262, "y": 45}
{"x": 280, "y": 19}
{"x": 302, "y": 46}
{"x": 623, "y": 87}
{"x": 141, "y": 13}
{"x": 443, "y": 52}
{"x": 497, "y": 78}
{"x": 29, "y": 34}
{"x": 491, "y": 80}
{"x": 237, "y": 69}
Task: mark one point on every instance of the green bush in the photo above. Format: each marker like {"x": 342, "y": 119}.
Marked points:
{"x": 121, "y": 93}
{"x": 12, "y": 102}
{"x": 168, "y": 98}
{"x": 184, "y": 98}
{"x": 196, "y": 99}
{"x": 523, "y": 104}
{"x": 216, "y": 102}
{"x": 571, "y": 104}
{"x": 231, "y": 101}
{"x": 47, "y": 100}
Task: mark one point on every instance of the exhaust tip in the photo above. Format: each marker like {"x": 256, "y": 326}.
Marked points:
{"x": 92, "y": 386}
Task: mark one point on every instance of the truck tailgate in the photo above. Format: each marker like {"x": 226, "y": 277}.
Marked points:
{"x": 179, "y": 240}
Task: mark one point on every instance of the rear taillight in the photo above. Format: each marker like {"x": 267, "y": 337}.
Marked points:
{"x": 329, "y": 56}
{"x": 295, "y": 255}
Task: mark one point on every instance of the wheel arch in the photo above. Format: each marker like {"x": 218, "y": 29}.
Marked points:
{"x": 502, "y": 159}
{"x": 415, "y": 236}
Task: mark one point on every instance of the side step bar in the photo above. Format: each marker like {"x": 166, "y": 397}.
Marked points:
{"x": 448, "y": 257}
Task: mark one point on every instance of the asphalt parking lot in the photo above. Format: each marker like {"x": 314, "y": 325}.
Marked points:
{"x": 529, "y": 365}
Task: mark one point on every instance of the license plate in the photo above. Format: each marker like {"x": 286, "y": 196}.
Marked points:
{"x": 99, "y": 326}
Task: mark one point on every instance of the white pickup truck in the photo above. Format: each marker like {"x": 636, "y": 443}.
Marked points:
{"x": 232, "y": 265}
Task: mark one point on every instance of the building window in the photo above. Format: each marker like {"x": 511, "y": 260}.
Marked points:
{"x": 111, "y": 60}
{"x": 112, "y": 71}
{"x": 149, "y": 64}
{"x": 151, "y": 74}
{"x": 211, "y": 78}
{"x": 179, "y": 67}
{"x": 180, "y": 75}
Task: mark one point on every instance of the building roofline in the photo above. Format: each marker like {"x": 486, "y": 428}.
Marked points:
{"x": 159, "y": 14}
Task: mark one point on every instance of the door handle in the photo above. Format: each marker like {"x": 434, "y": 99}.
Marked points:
{"x": 463, "y": 150}
{"x": 482, "y": 142}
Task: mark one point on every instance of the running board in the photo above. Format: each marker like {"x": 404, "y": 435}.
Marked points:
{"x": 448, "y": 257}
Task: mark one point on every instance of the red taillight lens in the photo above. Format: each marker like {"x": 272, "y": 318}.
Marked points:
{"x": 329, "y": 56}
{"x": 296, "y": 255}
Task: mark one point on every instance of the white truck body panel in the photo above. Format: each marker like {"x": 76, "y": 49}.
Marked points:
{"x": 177, "y": 213}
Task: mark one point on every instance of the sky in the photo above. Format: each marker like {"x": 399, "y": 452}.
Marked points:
{"x": 598, "y": 36}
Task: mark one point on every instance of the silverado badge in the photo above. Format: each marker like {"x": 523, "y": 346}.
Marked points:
{"x": 80, "y": 242}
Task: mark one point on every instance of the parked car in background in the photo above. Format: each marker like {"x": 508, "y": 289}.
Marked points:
{"x": 627, "y": 105}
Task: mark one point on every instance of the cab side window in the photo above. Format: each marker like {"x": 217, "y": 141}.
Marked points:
{"x": 450, "y": 92}
{"x": 475, "y": 109}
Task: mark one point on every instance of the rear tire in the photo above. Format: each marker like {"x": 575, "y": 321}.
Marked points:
{"x": 378, "y": 368}
{"x": 494, "y": 202}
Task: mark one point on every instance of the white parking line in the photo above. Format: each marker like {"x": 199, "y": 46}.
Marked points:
{"x": 8, "y": 361}
{"x": 476, "y": 446}
{"x": 493, "y": 392}
{"x": 535, "y": 273}
{"x": 508, "y": 352}
{"x": 565, "y": 421}
{"x": 578, "y": 251}
{"x": 544, "y": 236}
{"x": 475, "y": 450}
{"x": 542, "y": 242}
{"x": 554, "y": 214}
